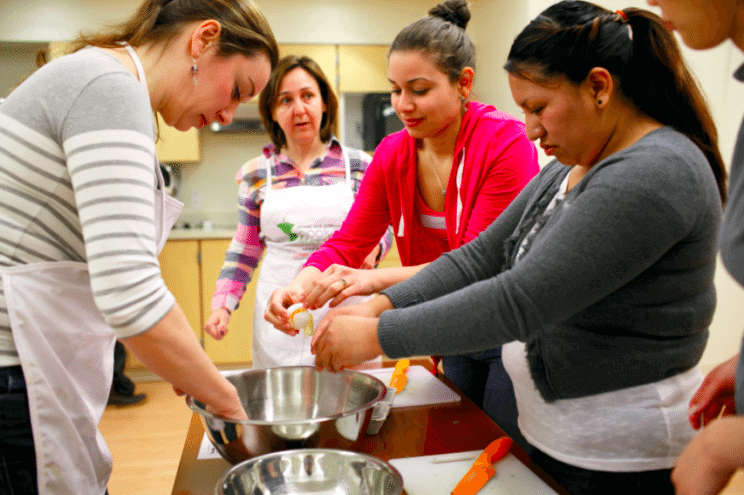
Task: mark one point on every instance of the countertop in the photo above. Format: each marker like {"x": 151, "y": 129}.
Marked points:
{"x": 216, "y": 233}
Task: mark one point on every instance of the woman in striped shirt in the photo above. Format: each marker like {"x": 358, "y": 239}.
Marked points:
{"x": 82, "y": 219}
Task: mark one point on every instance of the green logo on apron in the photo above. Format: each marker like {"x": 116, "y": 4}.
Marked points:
{"x": 287, "y": 229}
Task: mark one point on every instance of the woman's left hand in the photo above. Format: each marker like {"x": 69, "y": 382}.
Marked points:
{"x": 345, "y": 340}
{"x": 337, "y": 283}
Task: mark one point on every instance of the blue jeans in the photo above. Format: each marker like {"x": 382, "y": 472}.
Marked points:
{"x": 17, "y": 455}
{"x": 481, "y": 376}
{"x": 579, "y": 481}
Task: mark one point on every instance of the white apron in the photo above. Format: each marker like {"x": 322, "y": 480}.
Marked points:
{"x": 295, "y": 222}
{"x": 67, "y": 355}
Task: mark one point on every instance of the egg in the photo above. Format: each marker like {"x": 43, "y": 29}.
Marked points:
{"x": 301, "y": 319}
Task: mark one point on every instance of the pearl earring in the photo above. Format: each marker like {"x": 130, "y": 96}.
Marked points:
{"x": 194, "y": 69}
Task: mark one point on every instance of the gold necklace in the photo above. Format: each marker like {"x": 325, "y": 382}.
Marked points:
{"x": 436, "y": 174}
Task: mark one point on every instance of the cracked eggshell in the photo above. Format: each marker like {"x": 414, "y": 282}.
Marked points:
{"x": 298, "y": 316}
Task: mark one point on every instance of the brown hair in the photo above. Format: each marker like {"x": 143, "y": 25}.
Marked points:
{"x": 442, "y": 36}
{"x": 244, "y": 28}
{"x": 570, "y": 38}
{"x": 267, "y": 99}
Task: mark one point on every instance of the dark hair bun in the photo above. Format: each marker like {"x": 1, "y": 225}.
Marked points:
{"x": 454, "y": 11}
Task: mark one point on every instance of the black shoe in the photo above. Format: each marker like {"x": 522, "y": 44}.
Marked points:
{"x": 116, "y": 399}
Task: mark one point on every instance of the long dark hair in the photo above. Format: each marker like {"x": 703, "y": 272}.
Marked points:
{"x": 267, "y": 99}
{"x": 571, "y": 37}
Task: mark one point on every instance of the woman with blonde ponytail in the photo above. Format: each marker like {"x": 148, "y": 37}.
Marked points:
{"x": 83, "y": 217}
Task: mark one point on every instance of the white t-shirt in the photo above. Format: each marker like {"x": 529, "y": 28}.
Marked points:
{"x": 640, "y": 428}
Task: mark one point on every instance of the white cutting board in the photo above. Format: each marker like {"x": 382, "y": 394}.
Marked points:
{"x": 422, "y": 388}
{"x": 421, "y": 476}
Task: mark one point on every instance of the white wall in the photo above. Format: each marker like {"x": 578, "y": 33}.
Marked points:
{"x": 293, "y": 21}
{"x": 17, "y": 61}
{"x": 493, "y": 27}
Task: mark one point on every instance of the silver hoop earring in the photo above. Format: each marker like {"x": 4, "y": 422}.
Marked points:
{"x": 194, "y": 69}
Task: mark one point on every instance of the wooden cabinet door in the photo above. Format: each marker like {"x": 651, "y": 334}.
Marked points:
{"x": 177, "y": 146}
{"x": 325, "y": 55}
{"x": 235, "y": 347}
{"x": 362, "y": 69}
{"x": 179, "y": 266}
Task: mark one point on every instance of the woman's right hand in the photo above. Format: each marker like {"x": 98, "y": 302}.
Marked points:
{"x": 276, "y": 308}
{"x": 347, "y": 335}
{"x": 715, "y": 394}
{"x": 231, "y": 410}
{"x": 216, "y": 325}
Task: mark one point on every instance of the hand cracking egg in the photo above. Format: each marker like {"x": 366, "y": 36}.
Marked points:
{"x": 301, "y": 319}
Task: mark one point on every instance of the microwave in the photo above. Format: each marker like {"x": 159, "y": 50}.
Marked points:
{"x": 378, "y": 119}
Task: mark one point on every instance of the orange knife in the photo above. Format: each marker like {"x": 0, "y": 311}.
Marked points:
{"x": 483, "y": 469}
{"x": 399, "y": 378}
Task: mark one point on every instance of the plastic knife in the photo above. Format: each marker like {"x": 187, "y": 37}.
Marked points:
{"x": 399, "y": 378}
{"x": 483, "y": 469}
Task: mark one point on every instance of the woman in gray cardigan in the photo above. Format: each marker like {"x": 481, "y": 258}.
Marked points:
{"x": 598, "y": 278}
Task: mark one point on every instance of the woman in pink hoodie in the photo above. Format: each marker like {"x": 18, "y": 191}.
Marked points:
{"x": 439, "y": 182}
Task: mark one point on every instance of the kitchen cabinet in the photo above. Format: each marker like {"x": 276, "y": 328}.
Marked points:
{"x": 190, "y": 268}
{"x": 179, "y": 267}
{"x": 177, "y": 146}
{"x": 235, "y": 347}
{"x": 362, "y": 69}
{"x": 349, "y": 68}
{"x": 325, "y": 55}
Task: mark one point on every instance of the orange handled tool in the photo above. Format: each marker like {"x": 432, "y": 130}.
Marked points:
{"x": 483, "y": 469}
{"x": 399, "y": 378}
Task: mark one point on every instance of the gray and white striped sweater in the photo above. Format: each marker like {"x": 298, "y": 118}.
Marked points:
{"x": 77, "y": 176}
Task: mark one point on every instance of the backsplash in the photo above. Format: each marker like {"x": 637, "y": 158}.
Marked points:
{"x": 208, "y": 188}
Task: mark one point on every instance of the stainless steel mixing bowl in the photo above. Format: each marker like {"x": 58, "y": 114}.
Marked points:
{"x": 311, "y": 471}
{"x": 293, "y": 407}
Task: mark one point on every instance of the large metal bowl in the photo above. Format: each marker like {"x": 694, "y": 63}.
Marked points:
{"x": 311, "y": 471}
{"x": 293, "y": 407}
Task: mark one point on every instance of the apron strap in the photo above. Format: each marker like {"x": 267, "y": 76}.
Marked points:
{"x": 267, "y": 165}
{"x": 158, "y": 173}
{"x": 347, "y": 166}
